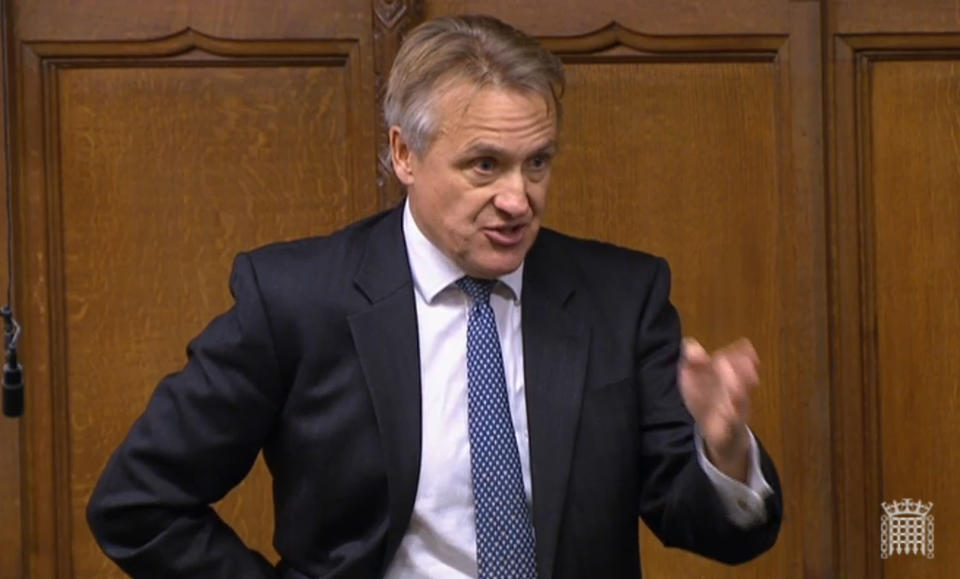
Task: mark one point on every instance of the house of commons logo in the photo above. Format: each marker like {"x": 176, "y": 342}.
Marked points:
{"x": 906, "y": 528}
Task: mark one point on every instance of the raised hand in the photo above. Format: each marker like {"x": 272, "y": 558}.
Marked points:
{"x": 716, "y": 389}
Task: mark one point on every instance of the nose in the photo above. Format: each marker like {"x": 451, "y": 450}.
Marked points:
{"x": 512, "y": 197}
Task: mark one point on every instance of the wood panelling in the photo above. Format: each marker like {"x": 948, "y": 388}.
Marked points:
{"x": 894, "y": 16}
{"x": 658, "y": 17}
{"x": 392, "y": 19}
{"x": 892, "y": 125}
{"x": 907, "y": 246}
{"x": 99, "y": 20}
{"x": 253, "y": 173}
{"x": 915, "y": 147}
{"x": 152, "y": 162}
{"x": 11, "y": 531}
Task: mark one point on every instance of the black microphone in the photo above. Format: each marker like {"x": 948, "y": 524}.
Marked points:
{"x": 12, "y": 370}
{"x": 12, "y": 385}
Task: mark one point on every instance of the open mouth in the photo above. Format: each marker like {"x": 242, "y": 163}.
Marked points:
{"x": 511, "y": 235}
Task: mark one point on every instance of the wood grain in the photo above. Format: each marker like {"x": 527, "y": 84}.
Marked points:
{"x": 167, "y": 174}
{"x": 914, "y": 176}
{"x": 88, "y": 20}
{"x": 888, "y": 144}
{"x": 894, "y": 16}
{"x": 392, "y": 19}
{"x": 155, "y": 160}
{"x": 11, "y": 530}
{"x": 663, "y": 17}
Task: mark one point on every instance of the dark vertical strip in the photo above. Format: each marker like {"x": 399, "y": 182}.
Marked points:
{"x": 391, "y": 21}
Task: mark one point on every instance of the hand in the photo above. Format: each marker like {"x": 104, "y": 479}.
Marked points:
{"x": 716, "y": 390}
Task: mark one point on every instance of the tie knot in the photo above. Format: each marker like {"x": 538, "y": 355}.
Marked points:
{"x": 478, "y": 289}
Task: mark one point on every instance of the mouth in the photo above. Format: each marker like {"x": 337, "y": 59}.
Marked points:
{"x": 506, "y": 235}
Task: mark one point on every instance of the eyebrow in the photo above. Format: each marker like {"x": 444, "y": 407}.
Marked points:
{"x": 482, "y": 149}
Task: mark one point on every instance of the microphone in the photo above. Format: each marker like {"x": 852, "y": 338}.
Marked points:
{"x": 12, "y": 386}
{"x": 12, "y": 370}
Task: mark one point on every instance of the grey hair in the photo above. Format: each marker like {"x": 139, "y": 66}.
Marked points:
{"x": 480, "y": 50}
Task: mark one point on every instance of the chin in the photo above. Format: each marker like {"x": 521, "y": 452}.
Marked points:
{"x": 495, "y": 268}
{"x": 493, "y": 262}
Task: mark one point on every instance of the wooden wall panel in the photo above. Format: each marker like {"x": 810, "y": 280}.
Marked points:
{"x": 265, "y": 162}
{"x": 11, "y": 530}
{"x": 392, "y": 19}
{"x": 660, "y": 17}
{"x": 908, "y": 247}
{"x": 11, "y": 555}
{"x": 97, "y": 20}
{"x": 915, "y": 148}
{"x": 145, "y": 166}
{"x": 892, "y": 125}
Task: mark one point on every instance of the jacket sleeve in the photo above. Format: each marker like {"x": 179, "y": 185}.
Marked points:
{"x": 677, "y": 500}
{"x": 198, "y": 437}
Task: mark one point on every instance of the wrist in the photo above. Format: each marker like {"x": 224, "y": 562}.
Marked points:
{"x": 730, "y": 456}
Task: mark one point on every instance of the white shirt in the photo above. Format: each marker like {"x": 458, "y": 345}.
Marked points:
{"x": 441, "y": 538}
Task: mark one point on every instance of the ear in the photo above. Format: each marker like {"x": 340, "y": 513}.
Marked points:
{"x": 401, "y": 156}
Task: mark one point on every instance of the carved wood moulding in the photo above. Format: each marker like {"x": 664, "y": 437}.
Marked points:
{"x": 596, "y": 46}
{"x": 863, "y": 51}
{"x": 391, "y": 22}
{"x": 39, "y": 217}
{"x": 193, "y": 44}
{"x": 852, "y": 260}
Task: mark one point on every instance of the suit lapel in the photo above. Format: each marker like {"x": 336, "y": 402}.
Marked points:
{"x": 385, "y": 336}
{"x": 555, "y": 343}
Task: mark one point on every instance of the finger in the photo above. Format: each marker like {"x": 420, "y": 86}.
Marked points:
{"x": 694, "y": 353}
{"x": 744, "y": 359}
{"x": 741, "y": 405}
{"x": 736, "y": 385}
{"x": 745, "y": 347}
{"x": 726, "y": 374}
{"x": 744, "y": 367}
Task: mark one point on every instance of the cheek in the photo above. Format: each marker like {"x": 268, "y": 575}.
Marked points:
{"x": 538, "y": 195}
{"x": 457, "y": 208}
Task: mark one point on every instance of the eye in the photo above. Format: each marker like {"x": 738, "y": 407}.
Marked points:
{"x": 485, "y": 165}
{"x": 539, "y": 163}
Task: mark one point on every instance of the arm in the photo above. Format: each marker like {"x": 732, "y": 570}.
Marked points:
{"x": 198, "y": 437}
{"x": 677, "y": 500}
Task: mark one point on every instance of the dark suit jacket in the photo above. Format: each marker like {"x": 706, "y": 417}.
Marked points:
{"x": 317, "y": 365}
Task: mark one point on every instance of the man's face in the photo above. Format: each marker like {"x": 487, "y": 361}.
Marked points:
{"x": 479, "y": 190}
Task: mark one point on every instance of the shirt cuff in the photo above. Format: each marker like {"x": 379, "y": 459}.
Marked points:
{"x": 744, "y": 503}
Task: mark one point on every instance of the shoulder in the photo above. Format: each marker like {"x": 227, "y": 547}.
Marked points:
{"x": 344, "y": 244}
{"x": 316, "y": 272}
{"x": 320, "y": 258}
{"x": 612, "y": 287}
{"x": 593, "y": 259}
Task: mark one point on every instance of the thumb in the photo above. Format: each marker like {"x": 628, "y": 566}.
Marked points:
{"x": 693, "y": 352}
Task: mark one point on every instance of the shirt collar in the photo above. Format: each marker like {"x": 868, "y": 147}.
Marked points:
{"x": 433, "y": 271}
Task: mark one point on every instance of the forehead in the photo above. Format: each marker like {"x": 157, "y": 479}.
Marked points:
{"x": 467, "y": 113}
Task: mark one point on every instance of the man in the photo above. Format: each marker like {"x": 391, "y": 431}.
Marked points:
{"x": 445, "y": 390}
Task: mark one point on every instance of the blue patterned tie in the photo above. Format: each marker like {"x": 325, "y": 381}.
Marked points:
{"x": 505, "y": 542}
